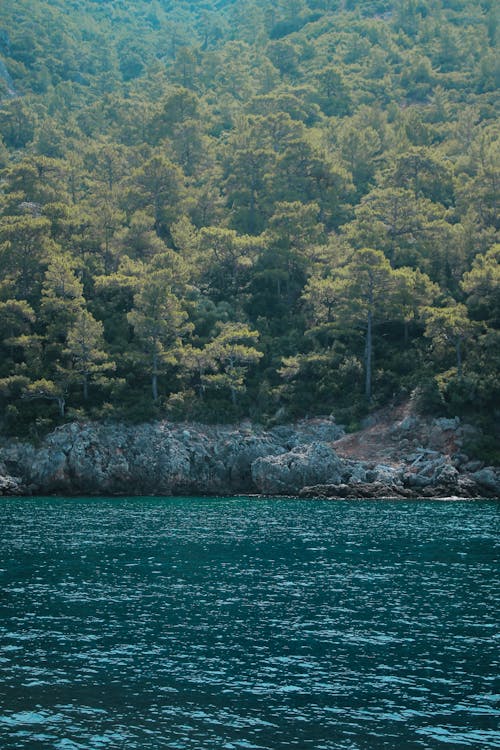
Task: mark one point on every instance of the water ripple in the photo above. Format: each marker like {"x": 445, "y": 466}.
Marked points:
{"x": 238, "y": 623}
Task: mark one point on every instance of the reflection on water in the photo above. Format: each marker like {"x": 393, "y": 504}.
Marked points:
{"x": 228, "y": 624}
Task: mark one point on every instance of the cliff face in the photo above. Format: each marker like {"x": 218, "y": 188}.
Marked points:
{"x": 158, "y": 458}
{"x": 311, "y": 458}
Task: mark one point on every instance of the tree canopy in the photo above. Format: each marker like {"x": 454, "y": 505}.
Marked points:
{"x": 244, "y": 208}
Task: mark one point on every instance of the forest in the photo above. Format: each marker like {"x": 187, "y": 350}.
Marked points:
{"x": 226, "y": 210}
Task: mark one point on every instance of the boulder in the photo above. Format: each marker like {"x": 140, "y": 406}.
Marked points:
{"x": 445, "y": 424}
{"x": 385, "y": 474}
{"x": 360, "y": 491}
{"x": 307, "y": 431}
{"x": 488, "y": 480}
{"x": 11, "y": 486}
{"x": 472, "y": 466}
{"x": 290, "y": 472}
{"x": 407, "y": 424}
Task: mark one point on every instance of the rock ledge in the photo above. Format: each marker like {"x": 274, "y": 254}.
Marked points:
{"x": 312, "y": 458}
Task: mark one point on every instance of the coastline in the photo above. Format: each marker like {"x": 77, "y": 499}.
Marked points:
{"x": 256, "y": 496}
{"x": 396, "y": 455}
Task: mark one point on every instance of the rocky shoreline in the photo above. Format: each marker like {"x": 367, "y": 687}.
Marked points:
{"x": 409, "y": 457}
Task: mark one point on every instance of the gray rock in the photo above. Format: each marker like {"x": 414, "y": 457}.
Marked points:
{"x": 306, "y": 465}
{"x": 472, "y": 466}
{"x": 443, "y": 432}
{"x": 467, "y": 487}
{"x": 154, "y": 458}
{"x": 417, "y": 480}
{"x": 446, "y": 474}
{"x": 356, "y": 473}
{"x": 307, "y": 431}
{"x": 386, "y": 474}
{"x": 407, "y": 424}
{"x": 162, "y": 458}
{"x": 11, "y": 486}
{"x": 444, "y": 424}
{"x": 488, "y": 479}
{"x": 359, "y": 491}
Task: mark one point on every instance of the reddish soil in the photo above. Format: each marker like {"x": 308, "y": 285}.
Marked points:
{"x": 377, "y": 442}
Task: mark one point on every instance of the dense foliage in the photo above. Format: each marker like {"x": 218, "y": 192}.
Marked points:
{"x": 220, "y": 209}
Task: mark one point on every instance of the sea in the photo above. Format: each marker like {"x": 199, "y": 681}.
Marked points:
{"x": 248, "y": 623}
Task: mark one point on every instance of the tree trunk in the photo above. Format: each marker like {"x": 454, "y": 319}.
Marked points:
{"x": 154, "y": 378}
{"x": 368, "y": 357}
{"x": 458, "y": 347}
{"x": 61, "y": 402}
{"x": 251, "y": 214}
{"x": 201, "y": 388}
{"x": 85, "y": 387}
{"x": 369, "y": 343}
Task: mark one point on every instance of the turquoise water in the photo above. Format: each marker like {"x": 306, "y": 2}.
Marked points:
{"x": 244, "y": 623}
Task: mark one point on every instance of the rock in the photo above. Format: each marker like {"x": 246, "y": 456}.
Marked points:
{"x": 472, "y": 466}
{"x": 417, "y": 480}
{"x": 407, "y": 424}
{"x": 431, "y": 469}
{"x": 459, "y": 460}
{"x": 356, "y": 473}
{"x": 385, "y": 474}
{"x": 359, "y": 491}
{"x": 162, "y": 458}
{"x": 445, "y": 474}
{"x": 307, "y": 431}
{"x": 11, "y": 486}
{"x": 444, "y": 424}
{"x": 467, "y": 487}
{"x": 305, "y": 465}
{"x": 157, "y": 458}
{"x": 444, "y": 432}
{"x": 488, "y": 479}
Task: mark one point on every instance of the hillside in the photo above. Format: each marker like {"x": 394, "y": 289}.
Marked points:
{"x": 219, "y": 210}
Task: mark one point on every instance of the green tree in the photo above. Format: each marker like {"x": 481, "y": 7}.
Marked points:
{"x": 50, "y": 390}
{"x": 335, "y": 97}
{"x": 410, "y": 231}
{"x": 179, "y": 106}
{"x": 17, "y": 122}
{"x": 25, "y": 246}
{"x": 280, "y": 271}
{"x": 359, "y": 294}
{"x": 159, "y": 323}
{"x": 423, "y": 171}
{"x": 482, "y": 286}
{"x": 232, "y": 351}
{"x": 84, "y": 345}
{"x": 158, "y": 187}
{"x": 226, "y": 260}
{"x": 449, "y": 326}
{"x": 413, "y": 291}
{"x": 245, "y": 179}
{"x": 62, "y": 297}
{"x": 16, "y": 320}
{"x": 360, "y": 147}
